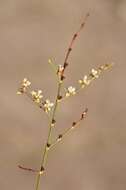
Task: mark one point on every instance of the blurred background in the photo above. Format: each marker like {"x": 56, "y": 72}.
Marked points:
{"x": 93, "y": 157}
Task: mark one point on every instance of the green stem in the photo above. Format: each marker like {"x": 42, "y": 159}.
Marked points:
{"x": 38, "y": 181}
{"x": 45, "y": 153}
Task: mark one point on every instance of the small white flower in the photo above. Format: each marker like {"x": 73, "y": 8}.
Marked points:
{"x": 37, "y": 96}
{"x": 48, "y": 105}
{"x": 94, "y": 73}
{"x": 70, "y": 91}
{"x": 26, "y": 82}
{"x": 84, "y": 81}
{"x": 24, "y": 85}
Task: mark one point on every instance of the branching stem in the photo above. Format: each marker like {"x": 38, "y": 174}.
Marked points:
{"x": 52, "y": 123}
{"x": 36, "y": 97}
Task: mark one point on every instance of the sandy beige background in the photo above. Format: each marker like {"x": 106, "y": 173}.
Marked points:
{"x": 31, "y": 31}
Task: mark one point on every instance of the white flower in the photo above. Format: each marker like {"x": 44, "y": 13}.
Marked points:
{"x": 48, "y": 105}
{"x": 70, "y": 91}
{"x": 94, "y": 73}
{"x": 84, "y": 81}
{"x": 26, "y": 82}
{"x": 37, "y": 96}
{"x": 24, "y": 85}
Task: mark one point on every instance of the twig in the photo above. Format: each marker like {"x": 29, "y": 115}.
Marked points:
{"x": 70, "y": 47}
{"x": 73, "y": 126}
{"x": 89, "y": 80}
{"x": 27, "y": 169}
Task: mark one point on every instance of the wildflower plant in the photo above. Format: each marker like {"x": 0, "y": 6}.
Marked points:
{"x": 50, "y": 108}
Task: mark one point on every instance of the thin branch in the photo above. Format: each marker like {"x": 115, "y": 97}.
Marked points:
{"x": 27, "y": 169}
{"x": 73, "y": 126}
{"x": 54, "y": 68}
{"x": 70, "y": 47}
{"x": 85, "y": 82}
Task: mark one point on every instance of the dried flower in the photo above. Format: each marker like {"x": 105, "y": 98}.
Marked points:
{"x": 48, "y": 105}
{"x": 37, "y": 96}
{"x": 24, "y": 85}
{"x": 70, "y": 91}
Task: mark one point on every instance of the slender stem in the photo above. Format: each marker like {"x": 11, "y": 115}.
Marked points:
{"x": 38, "y": 181}
{"x": 46, "y": 148}
{"x": 70, "y": 47}
{"x": 59, "y": 139}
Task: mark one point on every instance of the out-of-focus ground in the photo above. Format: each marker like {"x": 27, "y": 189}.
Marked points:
{"x": 93, "y": 157}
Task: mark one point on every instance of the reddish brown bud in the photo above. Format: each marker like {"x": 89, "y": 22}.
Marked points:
{"x": 60, "y": 136}
{"x": 70, "y": 49}
{"x": 75, "y": 35}
{"x": 74, "y": 123}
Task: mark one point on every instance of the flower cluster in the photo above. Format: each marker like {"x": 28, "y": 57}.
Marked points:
{"x": 24, "y": 85}
{"x": 48, "y": 105}
{"x": 70, "y": 91}
{"x": 94, "y": 74}
{"x": 37, "y": 96}
{"x": 85, "y": 81}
